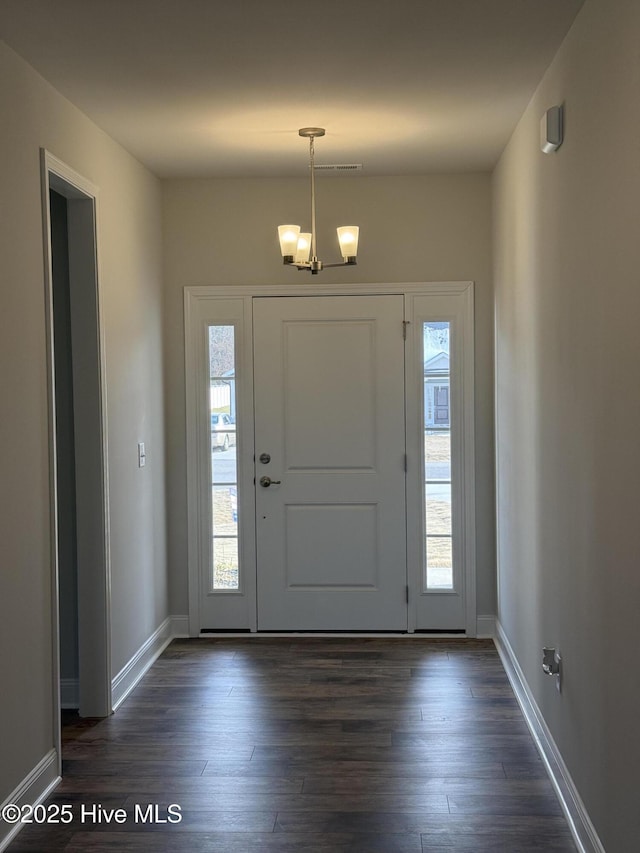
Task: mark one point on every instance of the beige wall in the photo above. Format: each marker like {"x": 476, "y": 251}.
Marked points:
{"x": 567, "y": 256}
{"x": 223, "y": 232}
{"x": 35, "y": 115}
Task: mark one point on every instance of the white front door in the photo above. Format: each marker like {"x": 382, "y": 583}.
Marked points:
{"x": 330, "y": 436}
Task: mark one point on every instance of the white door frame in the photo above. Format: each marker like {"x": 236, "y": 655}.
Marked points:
{"x": 198, "y": 302}
{"x": 94, "y": 624}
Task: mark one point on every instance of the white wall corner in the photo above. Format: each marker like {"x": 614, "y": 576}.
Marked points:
{"x": 136, "y": 668}
{"x": 69, "y": 693}
{"x": 582, "y": 829}
{"x": 33, "y": 789}
{"x": 179, "y": 627}
{"x": 486, "y": 627}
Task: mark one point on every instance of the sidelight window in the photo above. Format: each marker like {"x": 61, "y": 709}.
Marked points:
{"x": 437, "y": 454}
{"x": 224, "y": 467}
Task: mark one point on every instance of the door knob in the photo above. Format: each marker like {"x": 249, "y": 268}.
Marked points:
{"x": 265, "y": 482}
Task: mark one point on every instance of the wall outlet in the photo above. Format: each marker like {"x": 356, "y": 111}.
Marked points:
{"x": 552, "y": 665}
{"x": 548, "y": 660}
{"x": 142, "y": 456}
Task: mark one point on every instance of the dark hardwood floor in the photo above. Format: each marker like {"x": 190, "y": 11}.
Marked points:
{"x": 310, "y": 745}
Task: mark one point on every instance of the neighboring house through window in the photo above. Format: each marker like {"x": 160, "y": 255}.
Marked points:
{"x": 436, "y": 390}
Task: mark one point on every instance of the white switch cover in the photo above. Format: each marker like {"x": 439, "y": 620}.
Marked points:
{"x": 142, "y": 458}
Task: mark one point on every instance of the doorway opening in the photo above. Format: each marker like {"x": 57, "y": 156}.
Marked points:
{"x": 77, "y": 446}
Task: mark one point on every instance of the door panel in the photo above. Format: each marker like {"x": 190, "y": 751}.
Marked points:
{"x": 315, "y": 557}
{"x": 333, "y": 427}
{"x": 329, "y": 412}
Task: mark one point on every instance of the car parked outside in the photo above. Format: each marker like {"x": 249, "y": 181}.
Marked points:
{"x": 223, "y": 430}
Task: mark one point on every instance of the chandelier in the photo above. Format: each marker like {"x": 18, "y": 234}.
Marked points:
{"x": 299, "y": 249}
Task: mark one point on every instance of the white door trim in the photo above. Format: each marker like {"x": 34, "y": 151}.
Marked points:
{"x": 456, "y": 307}
{"x": 218, "y": 309}
{"x": 200, "y": 292}
{"x": 94, "y": 598}
{"x": 195, "y": 300}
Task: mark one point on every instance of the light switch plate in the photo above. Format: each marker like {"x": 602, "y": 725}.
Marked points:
{"x": 142, "y": 457}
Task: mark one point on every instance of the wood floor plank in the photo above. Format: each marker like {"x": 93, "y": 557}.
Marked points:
{"x": 507, "y": 804}
{"x": 439, "y": 725}
{"x": 501, "y": 842}
{"x": 461, "y": 769}
{"x": 356, "y": 801}
{"x": 220, "y": 842}
{"x": 390, "y": 823}
{"x": 485, "y": 826}
{"x": 469, "y": 768}
{"x": 394, "y": 785}
{"x": 508, "y": 834}
{"x": 179, "y": 786}
{"x": 210, "y": 750}
{"x": 132, "y": 767}
{"x": 460, "y": 752}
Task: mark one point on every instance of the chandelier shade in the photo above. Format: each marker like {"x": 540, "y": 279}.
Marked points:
{"x": 288, "y": 235}
{"x": 348, "y": 239}
{"x": 304, "y": 248}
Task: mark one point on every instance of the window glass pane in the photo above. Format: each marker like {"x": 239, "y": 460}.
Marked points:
{"x": 221, "y": 350}
{"x": 224, "y": 471}
{"x": 222, "y": 438}
{"x": 225, "y": 511}
{"x": 225, "y": 563}
{"x": 438, "y": 509}
{"x": 439, "y": 562}
{"x": 223, "y": 461}
{"x": 437, "y": 454}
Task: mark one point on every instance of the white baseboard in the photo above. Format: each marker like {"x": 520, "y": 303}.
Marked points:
{"x": 582, "y": 829}
{"x": 131, "y": 673}
{"x": 486, "y": 627}
{"x": 69, "y": 693}
{"x": 485, "y": 631}
{"x": 33, "y": 789}
{"x": 135, "y": 669}
{"x": 179, "y": 627}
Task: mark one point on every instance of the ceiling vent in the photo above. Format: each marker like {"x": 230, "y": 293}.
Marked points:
{"x": 339, "y": 168}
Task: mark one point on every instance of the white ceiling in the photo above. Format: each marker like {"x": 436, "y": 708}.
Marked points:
{"x": 213, "y": 88}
